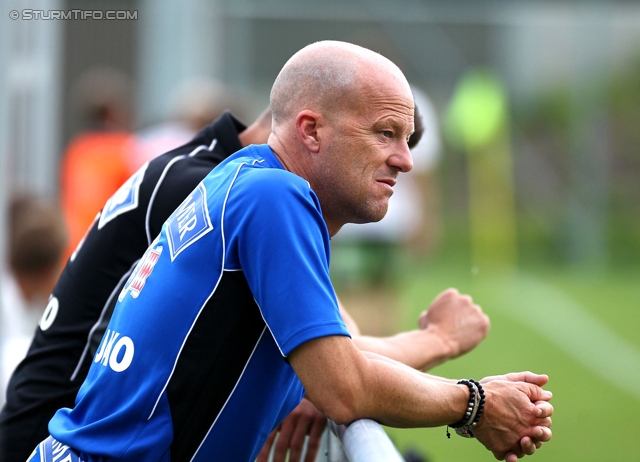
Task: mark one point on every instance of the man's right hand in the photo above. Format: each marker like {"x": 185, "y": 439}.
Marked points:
{"x": 456, "y": 321}
{"x": 516, "y": 419}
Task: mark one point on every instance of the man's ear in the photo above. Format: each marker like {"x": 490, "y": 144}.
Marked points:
{"x": 308, "y": 124}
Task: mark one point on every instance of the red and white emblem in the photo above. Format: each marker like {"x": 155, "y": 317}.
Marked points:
{"x": 143, "y": 270}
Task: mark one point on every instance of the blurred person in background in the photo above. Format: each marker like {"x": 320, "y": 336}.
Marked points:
{"x": 63, "y": 348}
{"x": 36, "y": 240}
{"x": 195, "y": 103}
{"x": 97, "y": 161}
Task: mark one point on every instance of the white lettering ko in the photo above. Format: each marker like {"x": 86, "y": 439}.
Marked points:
{"x": 114, "y": 351}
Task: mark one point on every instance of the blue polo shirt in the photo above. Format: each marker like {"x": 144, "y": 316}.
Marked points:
{"x": 193, "y": 363}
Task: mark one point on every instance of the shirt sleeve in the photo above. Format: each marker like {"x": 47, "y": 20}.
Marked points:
{"x": 282, "y": 245}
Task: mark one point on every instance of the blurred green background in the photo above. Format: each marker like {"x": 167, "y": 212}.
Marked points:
{"x": 557, "y": 273}
{"x": 560, "y": 284}
{"x": 579, "y": 327}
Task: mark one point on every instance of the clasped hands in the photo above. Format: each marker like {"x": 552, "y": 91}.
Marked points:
{"x": 517, "y": 420}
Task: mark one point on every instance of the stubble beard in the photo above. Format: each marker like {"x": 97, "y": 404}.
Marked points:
{"x": 347, "y": 207}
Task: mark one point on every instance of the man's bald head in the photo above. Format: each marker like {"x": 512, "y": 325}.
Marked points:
{"x": 327, "y": 76}
{"x": 342, "y": 115}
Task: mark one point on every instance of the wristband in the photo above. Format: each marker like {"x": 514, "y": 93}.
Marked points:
{"x": 474, "y": 410}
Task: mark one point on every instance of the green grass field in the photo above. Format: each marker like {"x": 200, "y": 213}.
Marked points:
{"x": 581, "y": 328}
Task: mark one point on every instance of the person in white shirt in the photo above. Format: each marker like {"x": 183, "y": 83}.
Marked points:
{"x": 36, "y": 240}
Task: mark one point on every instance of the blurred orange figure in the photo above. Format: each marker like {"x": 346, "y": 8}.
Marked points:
{"x": 97, "y": 161}
{"x": 95, "y": 165}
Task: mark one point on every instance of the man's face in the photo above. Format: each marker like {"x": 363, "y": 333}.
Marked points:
{"x": 365, "y": 152}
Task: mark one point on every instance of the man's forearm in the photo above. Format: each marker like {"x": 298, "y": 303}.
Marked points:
{"x": 419, "y": 349}
{"x": 445, "y": 400}
{"x": 450, "y": 327}
{"x": 373, "y": 386}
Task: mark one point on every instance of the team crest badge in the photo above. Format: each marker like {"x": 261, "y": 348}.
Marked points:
{"x": 142, "y": 271}
{"x": 189, "y": 222}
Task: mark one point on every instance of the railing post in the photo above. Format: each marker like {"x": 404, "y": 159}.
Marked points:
{"x": 365, "y": 441}
{"x": 362, "y": 441}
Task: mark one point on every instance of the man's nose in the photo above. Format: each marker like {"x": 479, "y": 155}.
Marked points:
{"x": 402, "y": 159}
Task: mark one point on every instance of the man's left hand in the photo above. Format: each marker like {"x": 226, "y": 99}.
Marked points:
{"x": 304, "y": 420}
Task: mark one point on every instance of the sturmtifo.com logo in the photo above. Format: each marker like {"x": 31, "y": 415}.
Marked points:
{"x": 81, "y": 15}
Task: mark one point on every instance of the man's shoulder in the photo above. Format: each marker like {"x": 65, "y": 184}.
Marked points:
{"x": 260, "y": 170}
{"x": 185, "y": 165}
{"x": 212, "y": 145}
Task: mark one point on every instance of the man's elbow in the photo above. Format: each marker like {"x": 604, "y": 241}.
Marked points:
{"x": 342, "y": 408}
{"x": 342, "y": 415}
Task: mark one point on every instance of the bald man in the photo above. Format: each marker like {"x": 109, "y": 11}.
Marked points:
{"x": 230, "y": 318}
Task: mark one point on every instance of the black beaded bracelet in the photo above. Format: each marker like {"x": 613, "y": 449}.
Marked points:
{"x": 472, "y": 398}
{"x": 470, "y": 407}
{"x": 481, "y": 404}
{"x": 466, "y": 430}
{"x": 473, "y": 412}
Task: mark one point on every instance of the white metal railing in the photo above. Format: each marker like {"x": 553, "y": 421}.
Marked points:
{"x": 361, "y": 441}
